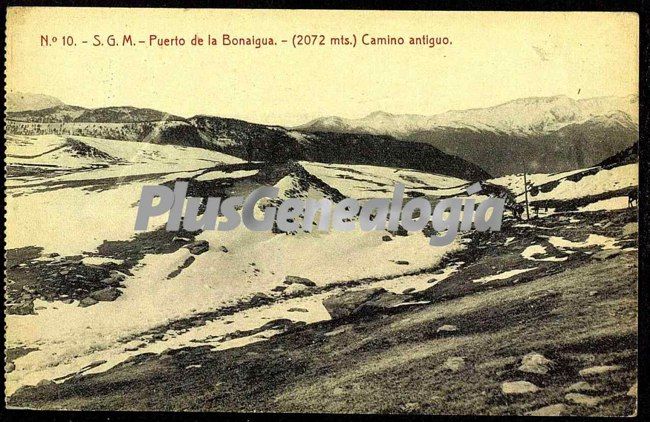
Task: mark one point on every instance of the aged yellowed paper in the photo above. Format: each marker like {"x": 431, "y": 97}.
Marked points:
{"x": 321, "y": 211}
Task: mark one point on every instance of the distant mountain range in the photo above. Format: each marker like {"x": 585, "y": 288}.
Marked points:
{"x": 542, "y": 134}
{"x": 239, "y": 138}
{"x": 522, "y": 117}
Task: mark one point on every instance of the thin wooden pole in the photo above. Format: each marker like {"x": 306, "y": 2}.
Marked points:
{"x": 526, "y": 195}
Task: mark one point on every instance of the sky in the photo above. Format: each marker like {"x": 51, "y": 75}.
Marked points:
{"x": 493, "y": 57}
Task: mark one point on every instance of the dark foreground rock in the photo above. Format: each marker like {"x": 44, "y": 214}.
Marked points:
{"x": 198, "y": 247}
{"x": 360, "y": 302}
{"x": 292, "y": 279}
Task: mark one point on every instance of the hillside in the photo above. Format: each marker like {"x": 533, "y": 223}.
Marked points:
{"x": 573, "y": 146}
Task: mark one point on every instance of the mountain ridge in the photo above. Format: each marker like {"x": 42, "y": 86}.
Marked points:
{"x": 250, "y": 141}
{"x": 523, "y": 117}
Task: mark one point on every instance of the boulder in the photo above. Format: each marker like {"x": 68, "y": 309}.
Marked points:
{"x": 634, "y": 390}
{"x": 116, "y": 275}
{"x": 447, "y": 328}
{"x": 198, "y": 247}
{"x": 223, "y": 249}
{"x": 297, "y": 310}
{"x": 409, "y": 290}
{"x": 108, "y": 294}
{"x": 359, "y": 301}
{"x": 260, "y": 299}
{"x": 110, "y": 281}
{"x": 10, "y": 367}
{"x": 519, "y": 387}
{"x": 599, "y": 370}
{"x": 45, "y": 383}
{"x": 295, "y": 290}
{"x": 337, "y": 331}
{"x": 630, "y": 229}
{"x": 580, "y": 386}
{"x": 552, "y": 410}
{"x": 606, "y": 254}
{"x": 386, "y": 238}
{"x": 384, "y": 301}
{"x": 454, "y": 363}
{"x": 292, "y": 279}
{"x": 87, "y": 301}
{"x": 535, "y": 363}
{"x": 583, "y": 399}
{"x": 402, "y": 262}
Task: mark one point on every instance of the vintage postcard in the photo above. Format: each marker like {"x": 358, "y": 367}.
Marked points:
{"x": 329, "y": 211}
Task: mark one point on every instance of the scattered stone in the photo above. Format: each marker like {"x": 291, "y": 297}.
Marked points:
{"x": 87, "y": 301}
{"x": 198, "y": 247}
{"x": 10, "y": 367}
{"x": 593, "y": 293}
{"x": 606, "y": 254}
{"x": 338, "y": 331}
{"x": 535, "y": 363}
{"x": 402, "y": 262}
{"x": 599, "y": 370}
{"x": 180, "y": 239}
{"x": 53, "y": 255}
{"x": 45, "y": 383}
{"x": 386, "y": 238}
{"x": 297, "y": 310}
{"x": 108, "y": 294}
{"x": 519, "y": 387}
{"x": 583, "y": 399}
{"x": 447, "y": 328}
{"x": 633, "y": 391}
{"x": 295, "y": 290}
{"x": 292, "y": 279}
{"x": 411, "y": 407}
{"x": 454, "y": 363}
{"x": 223, "y": 249}
{"x": 67, "y": 301}
{"x": 116, "y": 275}
{"x": 260, "y": 299}
{"x": 279, "y": 288}
{"x": 110, "y": 281}
{"x": 409, "y": 290}
{"x": 580, "y": 386}
{"x": 630, "y": 229}
{"x": 552, "y": 410}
